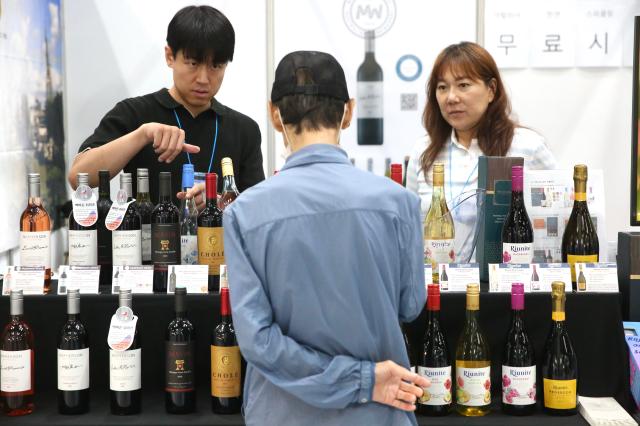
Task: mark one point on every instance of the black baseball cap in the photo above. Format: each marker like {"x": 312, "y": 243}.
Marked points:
{"x": 326, "y": 74}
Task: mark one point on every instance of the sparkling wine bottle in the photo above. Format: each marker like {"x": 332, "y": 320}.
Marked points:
{"x": 180, "y": 394}
{"x": 518, "y": 362}
{"x": 165, "y": 235}
{"x": 73, "y": 360}
{"x": 435, "y": 364}
{"x": 105, "y": 245}
{"x": 145, "y": 208}
{"x": 16, "y": 358}
{"x": 188, "y": 221}
{"x": 580, "y": 240}
{"x": 517, "y": 233}
{"x": 559, "y": 364}
{"x": 369, "y": 96}
{"x": 473, "y": 362}
{"x": 229, "y": 190}
{"x": 127, "y": 239}
{"x": 83, "y": 240}
{"x": 35, "y": 232}
{"x": 439, "y": 230}
{"x": 210, "y": 235}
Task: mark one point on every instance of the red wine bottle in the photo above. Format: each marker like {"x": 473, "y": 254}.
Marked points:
{"x": 370, "y": 96}
{"x": 180, "y": 394}
{"x": 165, "y": 235}
{"x": 517, "y": 233}
{"x": 210, "y": 234}
{"x": 16, "y": 358}
{"x": 104, "y": 235}
{"x": 73, "y": 360}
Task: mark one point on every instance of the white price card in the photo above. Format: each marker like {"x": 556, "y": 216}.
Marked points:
{"x": 597, "y": 277}
{"x": 195, "y": 278}
{"x": 29, "y": 279}
{"x": 456, "y": 276}
{"x": 543, "y": 274}
{"x": 138, "y": 279}
{"x": 503, "y": 275}
{"x": 83, "y": 278}
{"x": 428, "y": 275}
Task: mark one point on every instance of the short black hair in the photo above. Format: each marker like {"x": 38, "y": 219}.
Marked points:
{"x": 203, "y": 33}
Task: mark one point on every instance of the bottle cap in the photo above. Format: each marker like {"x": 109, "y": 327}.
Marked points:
{"x": 433, "y": 297}
{"x": 142, "y": 173}
{"x": 557, "y": 287}
{"x": 187, "y": 175}
{"x": 125, "y": 297}
{"x": 212, "y": 186}
{"x": 473, "y": 297}
{"x": 165, "y": 183}
{"x": 73, "y": 301}
{"x": 227, "y": 167}
{"x": 516, "y": 178}
{"x": 82, "y": 179}
{"x": 396, "y": 173}
{"x": 517, "y": 296}
{"x": 438, "y": 174}
{"x": 15, "y": 301}
{"x": 180, "y": 293}
{"x": 580, "y": 172}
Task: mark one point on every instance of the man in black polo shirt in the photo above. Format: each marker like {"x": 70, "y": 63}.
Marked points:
{"x": 185, "y": 124}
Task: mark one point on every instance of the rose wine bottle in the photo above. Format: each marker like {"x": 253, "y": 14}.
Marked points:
{"x": 517, "y": 233}
{"x": 145, "y": 208}
{"x": 210, "y": 234}
{"x": 83, "y": 240}
{"x": 229, "y": 190}
{"x": 370, "y": 96}
{"x": 16, "y": 361}
{"x": 188, "y": 221}
{"x": 105, "y": 246}
{"x": 35, "y": 232}
{"x": 127, "y": 239}
{"x": 165, "y": 235}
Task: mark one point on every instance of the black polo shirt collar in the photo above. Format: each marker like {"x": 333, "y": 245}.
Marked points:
{"x": 164, "y": 98}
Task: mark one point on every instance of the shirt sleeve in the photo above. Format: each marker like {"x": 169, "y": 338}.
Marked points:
{"x": 251, "y": 171}
{"x": 413, "y": 294}
{"x": 320, "y": 380}
{"x": 116, "y": 123}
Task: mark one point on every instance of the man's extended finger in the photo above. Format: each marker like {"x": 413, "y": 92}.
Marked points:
{"x": 191, "y": 149}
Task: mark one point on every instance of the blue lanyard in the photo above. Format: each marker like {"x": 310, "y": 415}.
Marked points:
{"x": 451, "y": 176}
{"x": 215, "y": 140}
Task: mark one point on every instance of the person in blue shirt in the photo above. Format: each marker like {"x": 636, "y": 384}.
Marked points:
{"x": 324, "y": 261}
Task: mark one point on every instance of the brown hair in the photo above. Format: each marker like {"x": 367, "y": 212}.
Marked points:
{"x": 495, "y": 129}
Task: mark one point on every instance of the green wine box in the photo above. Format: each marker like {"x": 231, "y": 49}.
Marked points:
{"x": 494, "y": 179}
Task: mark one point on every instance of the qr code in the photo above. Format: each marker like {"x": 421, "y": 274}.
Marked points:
{"x": 408, "y": 102}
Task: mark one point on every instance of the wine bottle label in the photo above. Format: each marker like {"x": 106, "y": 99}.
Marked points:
{"x": 15, "y": 371}
{"x": 165, "y": 243}
{"x": 124, "y": 370}
{"x": 439, "y": 251}
{"x": 189, "y": 249}
{"x": 560, "y": 394}
{"x": 73, "y": 369}
{"x": 127, "y": 248}
{"x": 517, "y": 252}
{"x": 572, "y": 259}
{"x": 226, "y": 376}
{"x": 35, "y": 249}
{"x": 474, "y": 386}
{"x": 211, "y": 248}
{"x": 439, "y": 392}
{"x": 146, "y": 242}
{"x": 83, "y": 247}
{"x": 369, "y": 99}
{"x": 179, "y": 369}
{"x": 518, "y": 385}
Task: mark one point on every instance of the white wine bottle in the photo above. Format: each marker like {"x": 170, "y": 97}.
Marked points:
{"x": 439, "y": 230}
{"x": 369, "y": 98}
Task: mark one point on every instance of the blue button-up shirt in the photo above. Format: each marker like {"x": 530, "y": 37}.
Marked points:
{"x": 323, "y": 259}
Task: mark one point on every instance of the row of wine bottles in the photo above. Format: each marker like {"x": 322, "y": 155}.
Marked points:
{"x": 472, "y": 381}
{"x": 125, "y": 361}
{"x": 141, "y": 233}
{"x": 579, "y": 241}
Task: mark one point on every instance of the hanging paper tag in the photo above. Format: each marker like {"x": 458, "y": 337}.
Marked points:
{"x": 117, "y": 211}
{"x": 85, "y": 206}
{"x": 122, "y": 329}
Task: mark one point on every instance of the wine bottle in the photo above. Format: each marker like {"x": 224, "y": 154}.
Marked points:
{"x": 73, "y": 360}
{"x": 180, "y": 341}
{"x": 105, "y": 245}
{"x": 559, "y": 364}
{"x": 517, "y": 233}
{"x": 370, "y": 95}
{"x": 188, "y": 221}
{"x": 145, "y": 207}
{"x": 125, "y": 362}
{"x": 229, "y": 190}
{"x": 16, "y": 358}
{"x": 439, "y": 230}
{"x": 165, "y": 235}
{"x": 226, "y": 373}
{"x": 127, "y": 239}
{"x": 518, "y": 362}
{"x": 582, "y": 282}
{"x": 406, "y": 167}
{"x": 535, "y": 279}
{"x": 580, "y": 240}
{"x": 435, "y": 364}
{"x": 210, "y": 236}
{"x": 35, "y": 232}
{"x": 83, "y": 240}
{"x": 473, "y": 362}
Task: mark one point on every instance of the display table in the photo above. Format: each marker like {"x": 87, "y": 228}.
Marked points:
{"x": 594, "y": 322}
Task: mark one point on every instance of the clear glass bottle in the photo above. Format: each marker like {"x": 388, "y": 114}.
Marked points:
{"x": 229, "y": 190}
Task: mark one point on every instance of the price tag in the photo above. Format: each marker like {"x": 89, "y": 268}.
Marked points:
{"x": 117, "y": 211}
{"x": 503, "y": 275}
{"x": 122, "y": 329}
{"x": 29, "y": 279}
{"x": 428, "y": 275}
{"x": 548, "y": 273}
{"x": 83, "y": 278}
{"x": 456, "y": 276}
{"x": 138, "y": 279}
{"x": 195, "y": 278}
{"x": 597, "y": 277}
{"x": 85, "y": 206}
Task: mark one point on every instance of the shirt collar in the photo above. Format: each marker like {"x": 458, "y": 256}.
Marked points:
{"x": 317, "y": 153}
{"x": 454, "y": 141}
{"x": 167, "y": 101}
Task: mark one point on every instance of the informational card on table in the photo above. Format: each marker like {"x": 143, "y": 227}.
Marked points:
{"x": 456, "y": 276}
{"x": 137, "y": 278}
{"x": 195, "y": 278}
{"x": 543, "y": 274}
{"x": 503, "y": 275}
{"x": 83, "y": 278}
{"x": 597, "y": 277}
{"x": 428, "y": 275}
{"x": 29, "y": 279}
